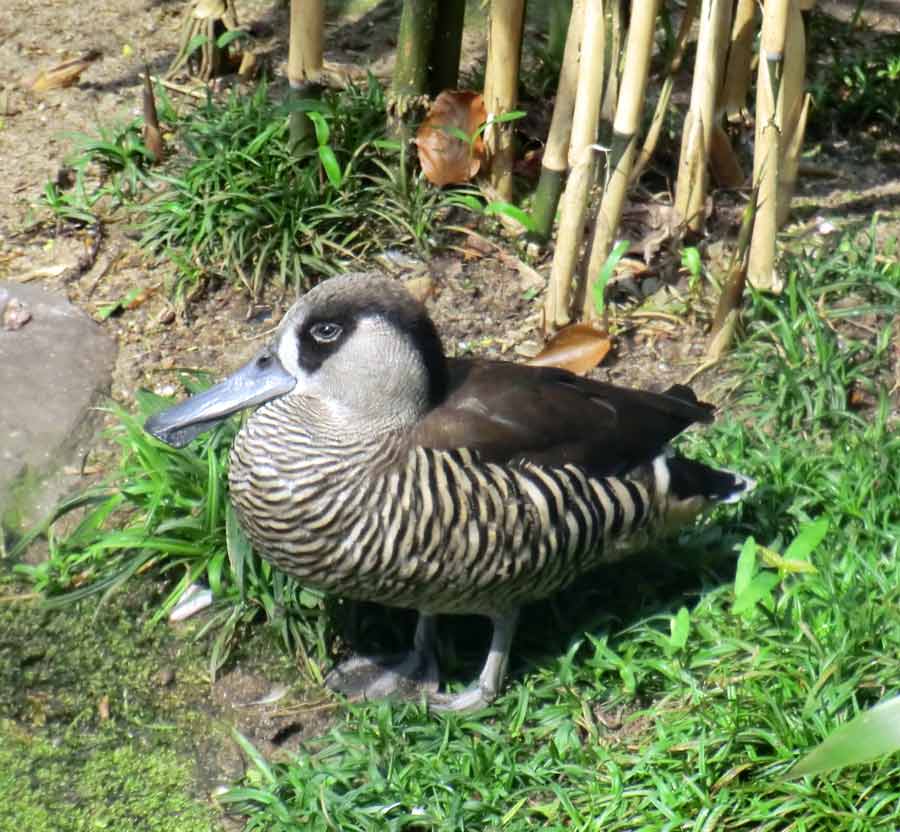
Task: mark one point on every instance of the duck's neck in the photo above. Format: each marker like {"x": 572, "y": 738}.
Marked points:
{"x": 296, "y": 468}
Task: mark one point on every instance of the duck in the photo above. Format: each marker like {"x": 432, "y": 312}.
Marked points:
{"x": 377, "y": 468}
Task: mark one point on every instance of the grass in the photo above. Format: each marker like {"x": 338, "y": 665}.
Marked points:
{"x": 671, "y": 693}
{"x": 854, "y": 79}
{"x": 235, "y": 200}
{"x": 168, "y": 508}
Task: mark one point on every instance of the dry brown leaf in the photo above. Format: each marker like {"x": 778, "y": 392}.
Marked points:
{"x": 446, "y": 159}
{"x": 723, "y": 161}
{"x": 421, "y": 288}
{"x": 576, "y": 348}
{"x": 152, "y": 134}
{"x": 141, "y": 298}
{"x": 65, "y": 74}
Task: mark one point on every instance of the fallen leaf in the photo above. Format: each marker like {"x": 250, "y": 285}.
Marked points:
{"x": 860, "y": 399}
{"x": 445, "y": 157}
{"x": 421, "y": 288}
{"x": 103, "y": 708}
{"x": 152, "y": 134}
{"x": 140, "y": 298}
{"x": 64, "y": 74}
{"x": 43, "y": 271}
{"x": 577, "y": 348}
{"x": 723, "y": 161}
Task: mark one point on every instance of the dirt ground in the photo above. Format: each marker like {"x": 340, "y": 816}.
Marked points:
{"x": 479, "y": 303}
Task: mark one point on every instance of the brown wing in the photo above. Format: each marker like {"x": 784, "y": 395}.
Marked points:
{"x": 512, "y": 412}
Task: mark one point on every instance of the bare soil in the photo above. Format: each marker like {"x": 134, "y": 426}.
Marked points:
{"x": 479, "y": 297}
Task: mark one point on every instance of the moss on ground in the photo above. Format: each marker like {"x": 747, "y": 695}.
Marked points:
{"x": 98, "y": 717}
{"x": 94, "y": 783}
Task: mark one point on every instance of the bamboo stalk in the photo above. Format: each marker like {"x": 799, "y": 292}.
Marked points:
{"x": 740, "y": 61}
{"x": 501, "y": 94}
{"x": 767, "y": 151}
{"x": 304, "y": 61}
{"x": 693, "y": 163}
{"x": 573, "y": 209}
{"x": 305, "y": 47}
{"x": 554, "y": 163}
{"x": 446, "y": 46}
{"x": 790, "y": 166}
{"x": 619, "y": 163}
{"x": 414, "y": 41}
{"x": 665, "y": 95}
{"x": 793, "y": 109}
{"x": 611, "y": 69}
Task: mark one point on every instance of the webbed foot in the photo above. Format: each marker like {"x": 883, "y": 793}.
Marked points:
{"x": 405, "y": 675}
{"x": 376, "y": 677}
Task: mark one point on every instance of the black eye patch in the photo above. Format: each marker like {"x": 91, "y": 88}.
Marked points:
{"x": 319, "y": 337}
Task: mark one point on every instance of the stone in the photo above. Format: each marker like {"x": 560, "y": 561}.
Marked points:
{"x": 53, "y": 372}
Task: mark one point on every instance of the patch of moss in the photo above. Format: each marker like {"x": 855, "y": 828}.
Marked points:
{"x": 94, "y": 784}
{"x": 98, "y": 717}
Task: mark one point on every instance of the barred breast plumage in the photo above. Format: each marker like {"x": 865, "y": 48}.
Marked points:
{"x": 379, "y": 470}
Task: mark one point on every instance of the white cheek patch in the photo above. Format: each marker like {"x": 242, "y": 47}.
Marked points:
{"x": 287, "y": 352}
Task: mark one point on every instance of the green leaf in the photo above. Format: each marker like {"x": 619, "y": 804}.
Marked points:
{"x": 690, "y": 259}
{"x": 330, "y": 163}
{"x": 466, "y": 201}
{"x": 457, "y": 133}
{"x": 512, "y": 211}
{"x": 512, "y": 115}
{"x": 196, "y": 42}
{"x": 759, "y": 589}
{"x": 227, "y": 37}
{"x": 255, "y": 757}
{"x": 809, "y": 536}
{"x": 598, "y": 288}
{"x": 680, "y": 628}
{"x": 869, "y": 735}
{"x": 772, "y": 559}
{"x": 746, "y": 567}
{"x": 321, "y": 127}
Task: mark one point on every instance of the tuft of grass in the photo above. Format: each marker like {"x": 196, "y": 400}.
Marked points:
{"x": 236, "y": 199}
{"x": 854, "y": 80}
{"x": 167, "y": 509}
{"x": 111, "y": 170}
{"x": 240, "y": 200}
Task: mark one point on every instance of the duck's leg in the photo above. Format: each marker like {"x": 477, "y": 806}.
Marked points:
{"x": 485, "y": 690}
{"x": 375, "y": 677}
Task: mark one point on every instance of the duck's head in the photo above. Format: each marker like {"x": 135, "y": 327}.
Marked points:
{"x": 359, "y": 344}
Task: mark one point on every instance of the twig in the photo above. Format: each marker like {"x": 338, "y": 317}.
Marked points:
{"x": 179, "y": 88}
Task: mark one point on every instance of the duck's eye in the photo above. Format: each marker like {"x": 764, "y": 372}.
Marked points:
{"x": 325, "y": 332}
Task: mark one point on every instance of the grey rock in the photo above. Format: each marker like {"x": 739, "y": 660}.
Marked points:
{"x": 52, "y": 373}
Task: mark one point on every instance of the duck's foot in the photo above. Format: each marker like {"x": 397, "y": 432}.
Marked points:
{"x": 407, "y": 675}
{"x": 485, "y": 690}
{"x": 473, "y": 698}
{"x": 376, "y": 677}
